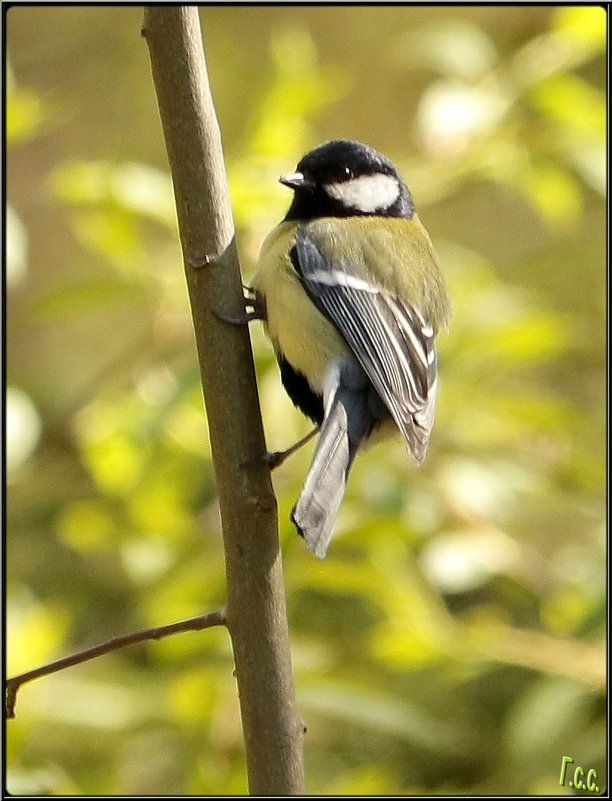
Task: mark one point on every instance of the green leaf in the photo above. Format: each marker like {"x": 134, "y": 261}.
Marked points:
{"x": 83, "y": 298}
{"x": 362, "y": 706}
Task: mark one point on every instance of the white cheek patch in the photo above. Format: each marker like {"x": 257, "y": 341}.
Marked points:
{"x": 367, "y": 193}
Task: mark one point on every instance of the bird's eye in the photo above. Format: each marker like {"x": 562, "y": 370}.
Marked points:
{"x": 347, "y": 173}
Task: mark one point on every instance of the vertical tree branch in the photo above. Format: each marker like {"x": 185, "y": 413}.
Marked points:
{"x": 256, "y": 612}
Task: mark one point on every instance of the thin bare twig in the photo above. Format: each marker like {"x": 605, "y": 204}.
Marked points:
{"x": 197, "y": 623}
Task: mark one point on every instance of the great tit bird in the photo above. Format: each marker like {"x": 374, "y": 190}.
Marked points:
{"x": 352, "y": 298}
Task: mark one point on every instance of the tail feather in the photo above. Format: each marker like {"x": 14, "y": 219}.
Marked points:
{"x": 345, "y": 425}
{"x": 317, "y": 507}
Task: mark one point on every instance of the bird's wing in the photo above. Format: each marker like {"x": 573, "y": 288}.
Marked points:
{"x": 390, "y": 338}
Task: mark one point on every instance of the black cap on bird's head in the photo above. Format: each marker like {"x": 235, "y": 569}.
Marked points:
{"x": 342, "y": 178}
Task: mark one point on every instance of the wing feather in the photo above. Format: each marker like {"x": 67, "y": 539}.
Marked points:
{"x": 389, "y": 337}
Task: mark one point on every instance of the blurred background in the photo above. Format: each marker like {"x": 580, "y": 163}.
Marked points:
{"x": 453, "y": 642}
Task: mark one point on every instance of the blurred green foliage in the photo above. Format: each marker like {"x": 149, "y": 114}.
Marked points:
{"x": 454, "y": 639}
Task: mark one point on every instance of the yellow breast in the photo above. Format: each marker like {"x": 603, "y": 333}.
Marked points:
{"x": 296, "y": 328}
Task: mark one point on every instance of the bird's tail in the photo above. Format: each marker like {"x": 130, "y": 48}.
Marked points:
{"x": 344, "y": 427}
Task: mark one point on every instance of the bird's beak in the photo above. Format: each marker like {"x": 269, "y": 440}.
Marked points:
{"x": 296, "y": 180}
